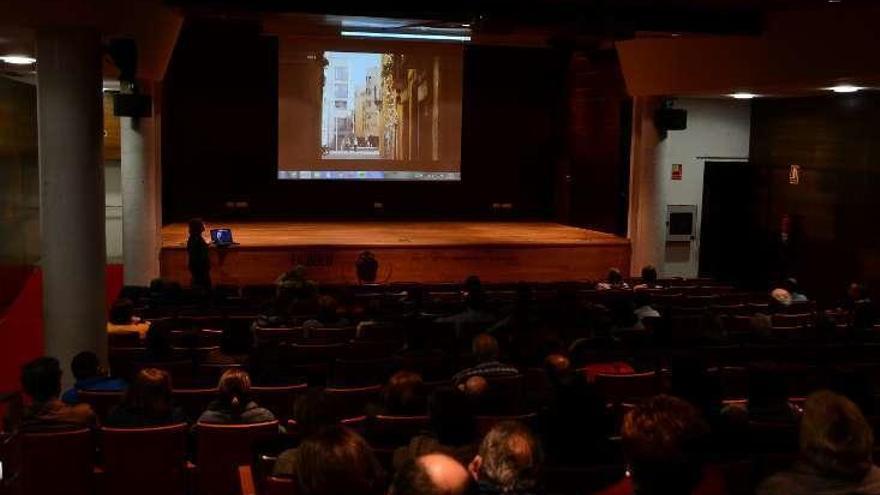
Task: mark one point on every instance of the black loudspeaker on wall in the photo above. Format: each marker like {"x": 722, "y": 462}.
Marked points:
{"x": 671, "y": 119}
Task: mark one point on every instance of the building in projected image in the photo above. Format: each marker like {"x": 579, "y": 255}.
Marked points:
{"x": 349, "y": 123}
{"x": 410, "y": 115}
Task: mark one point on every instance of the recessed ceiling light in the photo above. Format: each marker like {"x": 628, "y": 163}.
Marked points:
{"x": 465, "y": 25}
{"x": 845, "y": 88}
{"x": 18, "y": 59}
{"x": 743, "y": 96}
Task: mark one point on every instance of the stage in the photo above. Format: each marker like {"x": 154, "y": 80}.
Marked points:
{"x": 407, "y": 251}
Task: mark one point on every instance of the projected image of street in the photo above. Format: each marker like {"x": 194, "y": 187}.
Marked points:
{"x": 379, "y": 106}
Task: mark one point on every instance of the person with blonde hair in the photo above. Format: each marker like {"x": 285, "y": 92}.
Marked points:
{"x": 234, "y": 404}
{"x": 836, "y": 444}
{"x": 509, "y": 460}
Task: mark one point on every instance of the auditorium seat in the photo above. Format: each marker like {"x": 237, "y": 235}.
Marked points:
{"x": 181, "y": 370}
{"x": 558, "y": 480}
{"x": 193, "y": 401}
{"x": 433, "y": 365}
{"x": 58, "y": 462}
{"x": 210, "y": 373}
{"x": 101, "y": 401}
{"x": 487, "y": 422}
{"x": 330, "y": 335}
{"x": 592, "y": 370}
{"x": 633, "y": 387}
{"x": 144, "y": 461}
{"x": 394, "y": 431}
{"x": 279, "y": 399}
{"x": 505, "y": 395}
{"x": 371, "y": 349}
{"x": 350, "y": 402}
{"x": 793, "y": 320}
{"x": 122, "y": 359}
{"x": 123, "y": 339}
{"x": 278, "y": 334}
{"x": 360, "y": 372}
{"x": 221, "y": 449}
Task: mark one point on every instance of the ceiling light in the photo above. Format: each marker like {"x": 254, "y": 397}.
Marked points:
{"x": 743, "y": 96}
{"x": 465, "y": 25}
{"x": 405, "y": 36}
{"x": 18, "y": 59}
{"x": 845, "y": 88}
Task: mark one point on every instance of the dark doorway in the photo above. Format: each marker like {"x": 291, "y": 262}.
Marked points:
{"x": 730, "y": 233}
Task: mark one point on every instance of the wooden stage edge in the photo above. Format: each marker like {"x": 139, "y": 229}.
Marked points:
{"x": 427, "y": 252}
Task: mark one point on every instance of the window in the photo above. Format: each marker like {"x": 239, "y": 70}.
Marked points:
{"x": 340, "y": 90}
{"x": 341, "y": 104}
{"x": 342, "y": 74}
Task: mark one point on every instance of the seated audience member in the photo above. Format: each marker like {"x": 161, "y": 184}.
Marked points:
{"x": 649, "y": 279}
{"x": 89, "y": 376}
{"x": 234, "y": 404}
{"x": 312, "y": 412}
{"x": 509, "y": 460}
{"x": 613, "y": 281}
{"x": 367, "y": 268}
{"x": 328, "y": 315}
{"x": 835, "y": 454}
{"x": 41, "y": 381}
{"x": 432, "y": 474}
{"x": 644, "y": 309}
{"x": 453, "y": 429}
{"x": 336, "y": 461}
{"x": 476, "y": 305}
{"x": 404, "y": 395}
{"x": 767, "y": 399}
{"x": 663, "y": 442}
{"x": 486, "y": 353}
{"x": 236, "y": 345}
{"x": 859, "y": 308}
{"x": 147, "y": 402}
{"x": 122, "y": 319}
{"x": 791, "y": 285}
{"x": 578, "y": 423}
{"x": 158, "y": 343}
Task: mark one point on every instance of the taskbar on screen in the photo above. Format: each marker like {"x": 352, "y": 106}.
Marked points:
{"x": 366, "y": 175}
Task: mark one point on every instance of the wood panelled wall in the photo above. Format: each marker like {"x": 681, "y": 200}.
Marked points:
{"x": 595, "y": 180}
{"x": 836, "y": 141}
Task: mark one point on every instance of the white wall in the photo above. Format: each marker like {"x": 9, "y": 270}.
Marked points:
{"x": 113, "y": 210}
{"x": 716, "y": 128}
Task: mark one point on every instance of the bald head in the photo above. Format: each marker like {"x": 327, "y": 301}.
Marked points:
{"x": 558, "y": 363}
{"x": 432, "y": 474}
{"x": 475, "y": 386}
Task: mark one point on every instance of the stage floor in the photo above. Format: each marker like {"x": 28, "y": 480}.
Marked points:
{"x": 407, "y": 251}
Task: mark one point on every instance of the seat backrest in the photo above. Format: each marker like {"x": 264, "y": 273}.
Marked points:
{"x": 102, "y": 401}
{"x": 351, "y": 401}
{"x": 123, "y": 339}
{"x": 221, "y": 449}
{"x": 359, "y": 372}
{"x": 505, "y": 395}
{"x": 629, "y": 387}
{"x": 279, "y": 399}
{"x": 486, "y": 423}
{"x": 209, "y": 374}
{"x": 193, "y": 401}
{"x": 181, "y": 370}
{"x": 280, "y": 486}
{"x": 393, "y": 431}
{"x": 58, "y": 462}
{"x": 145, "y": 461}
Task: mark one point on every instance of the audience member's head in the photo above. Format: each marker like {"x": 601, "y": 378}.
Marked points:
{"x": 85, "y": 365}
{"x": 475, "y": 387}
{"x": 432, "y": 474}
{"x": 857, "y": 292}
{"x": 196, "y": 227}
{"x": 509, "y": 459}
{"x": 485, "y": 348}
{"x": 150, "y": 393}
{"x": 121, "y": 312}
{"x": 337, "y": 461}
{"x": 557, "y": 364}
{"x": 41, "y": 379}
{"x": 404, "y": 394}
{"x": 835, "y": 437}
{"x": 781, "y": 297}
{"x": 614, "y": 277}
{"x": 452, "y": 417}
{"x": 234, "y": 390}
{"x": 649, "y": 275}
{"x": 663, "y": 440}
{"x": 312, "y": 411}
{"x": 328, "y": 309}
{"x": 474, "y": 295}
{"x": 367, "y": 267}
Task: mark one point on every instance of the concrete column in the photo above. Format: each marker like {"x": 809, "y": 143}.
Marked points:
{"x": 646, "y": 209}
{"x": 140, "y": 199}
{"x": 72, "y": 193}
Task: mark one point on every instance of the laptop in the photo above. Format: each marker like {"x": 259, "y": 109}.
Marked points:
{"x": 222, "y": 237}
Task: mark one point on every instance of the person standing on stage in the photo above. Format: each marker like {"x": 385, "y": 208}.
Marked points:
{"x": 197, "y": 249}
